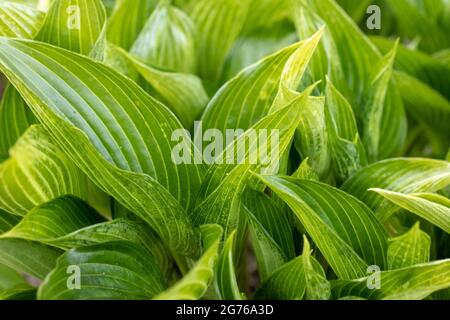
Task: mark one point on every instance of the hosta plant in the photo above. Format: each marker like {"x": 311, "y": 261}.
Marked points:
{"x": 224, "y": 149}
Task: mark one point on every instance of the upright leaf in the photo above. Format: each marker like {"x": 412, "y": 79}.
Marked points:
{"x": 412, "y": 247}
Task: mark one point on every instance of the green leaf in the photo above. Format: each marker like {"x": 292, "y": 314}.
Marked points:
{"x": 15, "y": 118}
{"x": 219, "y": 199}
{"x": 7, "y": 221}
{"x": 195, "y": 283}
{"x": 252, "y": 47}
{"x": 54, "y": 219}
{"x": 343, "y": 228}
{"x": 271, "y": 233}
{"x": 36, "y": 172}
{"x": 411, "y": 283}
{"x": 127, "y": 20}
{"x": 76, "y": 25}
{"x": 120, "y": 158}
{"x": 426, "y": 105}
{"x": 351, "y": 61}
{"x": 225, "y": 275}
{"x": 122, "y": 229}
{"x": 412, "y": 247}
{"x": 19, "y": 21}
{"x": 218, "y": 26}
{"x": 182, "y": 92}
{"x": 9, "y": 278}
{"x": 251, "y": 94}
{"x": 311, "y": 139}
{"x": 405, "y": 175}
{"x": 29, "y": 257}
{"x": 375, "y": 100}
{"x": 168, "y": 40}
{"x": 113, "y": 270}
{"x": 429, "y": 206}
{"x": 347, "y": 152}
{"x": 305, "y": 171}
{"x": 301, "y": 278}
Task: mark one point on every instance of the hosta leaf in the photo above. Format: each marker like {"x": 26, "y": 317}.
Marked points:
{"x": 127, "y": 20}
{"x": 311, "y": 136}
{"x": 271, "y": 233}
{"x": 195, "y": 283}
{"x": 375, "y": 100}
{"x": 167, "y": 40}
{"x": 411, "y": 283}
{"x": 358, "y": 58}
{"x": 183, "y": 93}
{"x": 429, "y": 206}
{"x": 424, "y": 104}
{"x": 226, "y": 281}
{"x": 29, "y": 257}
{"x": 343, "y": 228}
{"x": 301, "y": 278}
{"x": 347, "y": 152}
{"x": 76, "y": 25}
{"x": 268, "y": 213}
{"x": 405, "y": 175}
{"x": 36, "y": 172}
{"x": 19, "y": 293}
{"x": 54, "y": 219}
{"x": 250, "y": 95}
{"x": 419, "y": 65}
{"x": 419, "y": 19}
{"x": 218, "y": 26}
{"x": 7, "y": 221}
{"x": 252, "y": 47}
{"x": 15, "y": 118}
{"x": 122, "y": 229}
{"x": 9, "y": 278}
{"x": 305, "y": 171}
{"x": 219, "y": 199}
{"x": 19, "y": 21}
{"x": 412, "y": 247}
{"x": 121, "y": 158}
{"x": 265, "y": 13}
{"x": 113, "y": 270}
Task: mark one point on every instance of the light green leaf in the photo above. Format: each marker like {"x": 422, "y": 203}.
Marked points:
{"x": 412, "y": 247}
{"x": 347, "y": 152}
{"x": 305, "y": 171}
{"x": 411, "y": 283}
{"x": 182, "y": 92}
{"x": 195, "y": 283}
{"x": 301, "y": 278}
{"x": 29, "y": 257}
{"x": 127, "y": 20}
{"x": 9, "y": 278}
{"x": 343, "y": 228}
{"x": 219, "y": 199}
{"x": 19, "y": 21}
{"x": 405, "y": 175}
{"x": 130, "y": 158}
{"x": 429, "y": 206}
{"x": 113, "y": 270}
{"x": 15, "y": 118}
{"x": 256, "y": 90}
{"x": 122, "y": 229}
{"x": 225, "y": 275}
{"x": 54, "y": 219}
{"x": 218, "y": 26}
{"x": 76, "y": 25}
{"x": 36, "y": 172}
{"x": 168, "y": 40}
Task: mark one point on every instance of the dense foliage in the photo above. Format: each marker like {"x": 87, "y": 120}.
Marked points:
{"x": 94, "y": 204}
